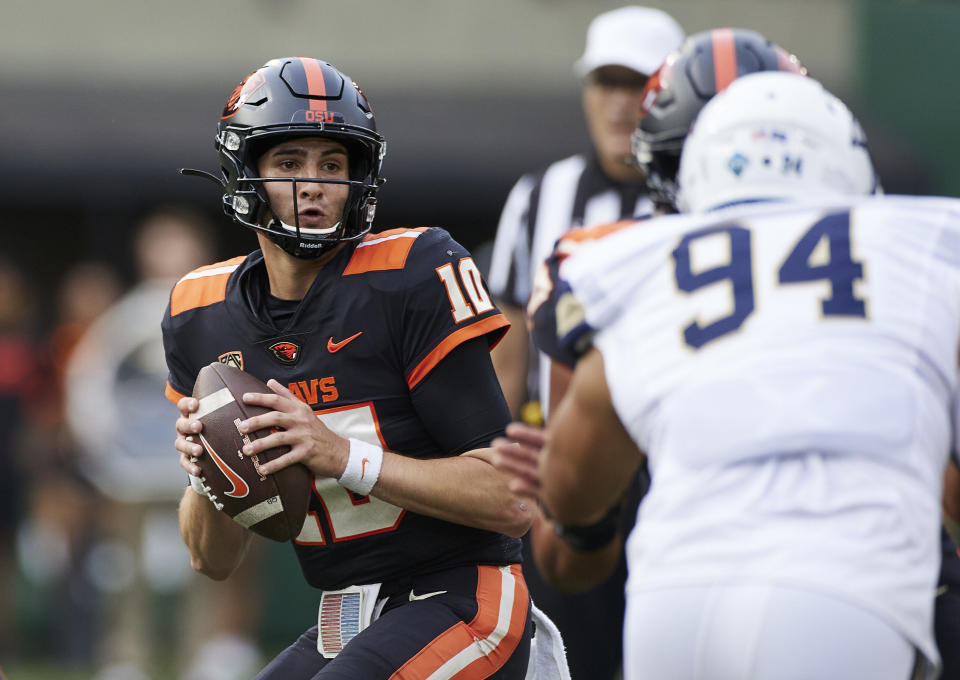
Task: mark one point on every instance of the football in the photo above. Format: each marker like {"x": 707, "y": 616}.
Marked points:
{"x": 272, "y": 505}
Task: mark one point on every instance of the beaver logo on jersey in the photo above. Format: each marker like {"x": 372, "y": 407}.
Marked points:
{"x": 234, "y": 359}
{"x": 287, "y": 352}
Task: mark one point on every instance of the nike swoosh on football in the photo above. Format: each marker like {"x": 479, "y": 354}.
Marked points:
{"x": 413, "y": 596}
{"x": 337, "y": 346}
{"x": 240, "y": 488}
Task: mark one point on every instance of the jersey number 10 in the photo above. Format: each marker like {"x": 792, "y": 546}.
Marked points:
{"x": 472, "y": 282}
{"x": 840, "y": 269}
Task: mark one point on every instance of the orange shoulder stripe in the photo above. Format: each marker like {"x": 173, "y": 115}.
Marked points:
{"x": 383, "y": 251}
{"x": 458, "y": 337}
{"x": 470, "y": 651}
{"x": 595, "y": 232}
{"x": 575, "y": 238}
{"x": 173, "y": 395}
{"x": 203, "y": 286}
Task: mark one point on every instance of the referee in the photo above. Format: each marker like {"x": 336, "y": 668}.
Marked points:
{"x": 623, "y": 48}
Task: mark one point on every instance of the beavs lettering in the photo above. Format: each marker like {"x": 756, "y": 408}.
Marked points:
{"x": 315, "y": 390}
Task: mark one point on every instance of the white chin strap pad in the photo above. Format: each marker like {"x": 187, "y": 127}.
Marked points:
{"x": 310, "y": 232}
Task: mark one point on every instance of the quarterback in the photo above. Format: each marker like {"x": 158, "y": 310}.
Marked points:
{"x": 376, "y": 348}
{"x": 784, "y": 357}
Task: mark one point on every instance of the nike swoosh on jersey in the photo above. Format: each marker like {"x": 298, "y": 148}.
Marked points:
{"x": 240, "y": 488}
{"x": 337, "y": 346}
{"x": 414, "y": 596}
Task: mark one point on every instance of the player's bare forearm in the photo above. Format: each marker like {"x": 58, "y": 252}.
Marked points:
{"x": 464, "y": 489}
{"x": 216, "y": 543}
{"x": 511, "y": 359}
{"x": 566, "y": 569}
{"x": 589, "y": 458}
{"x": 518, "y": 456}
{"x": 560, "y": 376}
{"x": 559, "y": 564}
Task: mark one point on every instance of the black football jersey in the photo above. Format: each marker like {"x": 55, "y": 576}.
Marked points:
{"x": 376, "y": 320}
{"x": 555, "y": 318}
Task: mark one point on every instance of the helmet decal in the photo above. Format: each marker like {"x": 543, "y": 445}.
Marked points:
{"x": 738, "y": 163}
{"x": 657, "y": 82}
{"x": 242, "y": 93}
{"x": 364, "y": 104}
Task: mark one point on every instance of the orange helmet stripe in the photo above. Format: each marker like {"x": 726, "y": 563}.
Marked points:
{"x": 724, "y": 58}
{"x": 315, "y": 83}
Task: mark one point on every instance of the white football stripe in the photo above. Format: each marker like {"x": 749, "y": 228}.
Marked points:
{"x": 210, "y": 272}
{"x": 212, "y": 402}
{"x": 481, "y": 648}
{"x": 406, "y": 234}
{"x": 259, "y": 512}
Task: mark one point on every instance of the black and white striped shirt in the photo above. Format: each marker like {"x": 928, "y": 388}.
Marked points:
{"x": 541, "y": 207}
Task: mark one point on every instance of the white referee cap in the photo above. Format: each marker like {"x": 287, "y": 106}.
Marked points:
{"x": 639, "y": 38}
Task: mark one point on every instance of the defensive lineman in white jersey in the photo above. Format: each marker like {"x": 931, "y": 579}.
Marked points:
{"x": 786, "y": 356}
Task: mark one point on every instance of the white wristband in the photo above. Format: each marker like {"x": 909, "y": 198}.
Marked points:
{"x": 363, "y": 467}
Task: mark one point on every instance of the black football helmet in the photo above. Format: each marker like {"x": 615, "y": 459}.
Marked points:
{"x": 298, "y": 97}
{"x": 703, "y": 66}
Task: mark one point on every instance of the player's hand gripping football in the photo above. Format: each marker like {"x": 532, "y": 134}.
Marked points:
{"x": 294, "y": 424}
{"x": 187, "y": 429}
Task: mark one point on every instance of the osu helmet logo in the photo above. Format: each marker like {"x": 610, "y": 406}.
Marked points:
{"x": 659, "y": 81}
{"x": 241, "y": 93}
{"x": 287, "y": 352}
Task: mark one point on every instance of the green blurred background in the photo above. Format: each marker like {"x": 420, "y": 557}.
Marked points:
{"x": 906, "y": 88}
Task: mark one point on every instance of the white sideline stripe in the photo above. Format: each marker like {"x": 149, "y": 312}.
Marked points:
{"x": 259, "y": 512}
{"x": 210, "y": 272}
{"x": 482, "y": 648}
{"x": 212, "y": 402}
{"x": 406, "y": 234}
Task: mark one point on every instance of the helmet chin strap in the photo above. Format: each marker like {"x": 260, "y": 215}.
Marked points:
{"x": 298, "y": 242}
{"x": 309, "y": 232}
